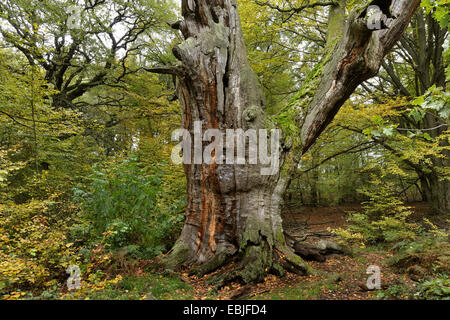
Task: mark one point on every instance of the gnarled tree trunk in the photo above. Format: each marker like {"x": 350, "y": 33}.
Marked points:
{"x": 232, "y": 210}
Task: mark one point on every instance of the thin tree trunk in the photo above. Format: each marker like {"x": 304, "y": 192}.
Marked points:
{"x": 33, "y": 118}
{"x": 314, "y": 194}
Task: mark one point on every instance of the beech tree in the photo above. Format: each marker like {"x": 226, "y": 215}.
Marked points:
{"x": 233, "y": 212}
{"x": 85, "y": 45}
{"x": 423, "y": 48}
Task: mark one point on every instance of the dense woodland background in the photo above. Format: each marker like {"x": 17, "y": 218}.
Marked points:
{"x": 85, "y": 141}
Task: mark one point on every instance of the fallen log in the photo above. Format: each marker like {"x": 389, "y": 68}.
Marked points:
{"x": 318, "y": 251}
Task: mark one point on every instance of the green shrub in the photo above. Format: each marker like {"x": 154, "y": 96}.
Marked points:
{"x": 34, "y": 252}
{"x": 122, "y": 203}
{"x": 438, "y": 288}
{"x": 434, "y": 289}
{"x": 384, "y": 219}
{"x": 430, "y": 250}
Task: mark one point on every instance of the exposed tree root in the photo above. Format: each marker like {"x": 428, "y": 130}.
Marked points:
{"x": 214, "y": 263}
{"x": 251, "y": 264}
{"x": 177, "y": 257}
{"x": 294, "y": 263}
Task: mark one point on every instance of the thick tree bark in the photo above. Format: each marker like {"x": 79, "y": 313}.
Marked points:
{"x": 436, "y": 191}
{"x": 233, "y": 210}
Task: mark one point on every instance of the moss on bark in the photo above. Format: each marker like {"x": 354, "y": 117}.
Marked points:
{"x": 214, "y": 263}
{"x": 179, "y": 254}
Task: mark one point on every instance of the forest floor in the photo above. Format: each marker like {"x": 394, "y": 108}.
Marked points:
{"x": 144, "y": 284}
{"x": 351, "y": 286}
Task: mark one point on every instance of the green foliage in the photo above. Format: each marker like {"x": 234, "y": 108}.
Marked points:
{"x": 384, "y": 218}
{"x": 434, "y": 289}
{"x": 268, "y": 54}
{"x": 66, "y": 146}
{"x": 70, "y": 100}
{"x": 430, "y": 250}
{"x": 282, "y": 47}
{"x": 160, "y": 287}
{"x": 41, "y": 151}
{"x": 438, "y": 288}
{"x": 111, "y": 33}
{"x": 298, "y": 291}
{"x": 422, "y": 251}
{"x": 143, "y": 287}
{"x": 434, "y": 100}
{"x": 123, "y": 202}
{"x": 34, "y": 252}
{"x": 439, "y": 10}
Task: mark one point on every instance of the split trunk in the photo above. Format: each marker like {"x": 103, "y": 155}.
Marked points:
{"x": 233, "y": 211}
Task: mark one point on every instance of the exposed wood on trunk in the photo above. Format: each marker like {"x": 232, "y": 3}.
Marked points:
{"x": 233, "y": 210}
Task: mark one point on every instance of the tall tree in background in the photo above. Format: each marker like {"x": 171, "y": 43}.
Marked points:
{"x": 232, "y": 210}
{"x": 86, "y": 52}
{"x": 85, "y": 45}
{"x": 417, "y": 68}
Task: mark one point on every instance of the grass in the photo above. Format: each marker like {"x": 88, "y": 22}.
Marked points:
{"x": 142, "y": 287}
{"x": 299, "y": 291}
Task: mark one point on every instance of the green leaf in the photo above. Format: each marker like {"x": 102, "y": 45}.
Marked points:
{"x": 427, "y": 136}
{"x": 388, "y": 131}
{"x": 419, "y": 101}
